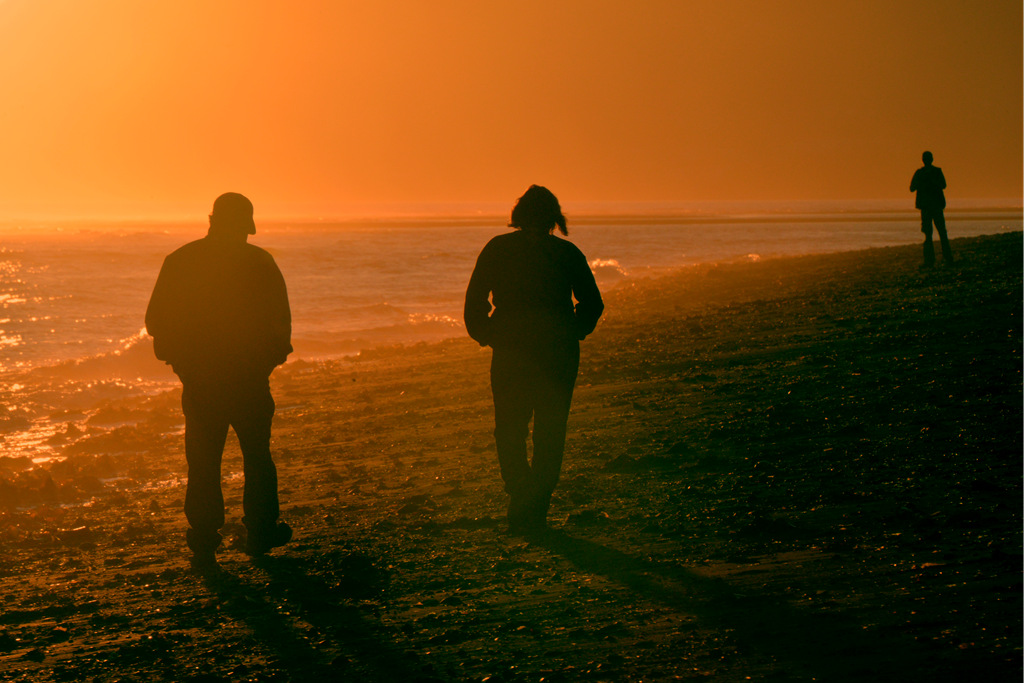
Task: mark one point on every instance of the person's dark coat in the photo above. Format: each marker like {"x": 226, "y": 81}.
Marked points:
{"x": 929, "y": 184}
{"x": 220, "y": 309}
{"x": 531, "y": 279}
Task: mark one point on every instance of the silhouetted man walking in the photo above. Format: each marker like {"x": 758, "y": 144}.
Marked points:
{"x": 219, "y": 317}
{"x": 929, "y": 183}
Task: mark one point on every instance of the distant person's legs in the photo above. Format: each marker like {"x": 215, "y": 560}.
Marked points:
{"x": 926, "y": 228}
{"x": 206, "y": 429}
{"x": 940, "y": 227}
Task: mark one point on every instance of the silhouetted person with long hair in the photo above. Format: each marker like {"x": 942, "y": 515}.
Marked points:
{"x": 929, "y": 183}
{"x": 520, "y": 303}
{"x": 219, "y": 316}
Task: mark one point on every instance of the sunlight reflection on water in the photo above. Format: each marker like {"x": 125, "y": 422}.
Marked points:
{"x": 72, "y": 303}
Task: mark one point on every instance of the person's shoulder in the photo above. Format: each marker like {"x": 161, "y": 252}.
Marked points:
{"x": 566, "y": 244}
{"x": 568, "y": 248}
{"x": 259, "y": 258}
{"x": 257, "y": 252}
{"x": 501, "y": 243}
{"x": 187, "y": 250}
{"x": 207, "y": 248}
{"x": 505, "y": 238}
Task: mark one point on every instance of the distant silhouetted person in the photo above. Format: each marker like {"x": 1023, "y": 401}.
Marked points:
{"x": 928, "y": 182}
{"x": 531, "y": 277}
{"x": 219, "y": 317}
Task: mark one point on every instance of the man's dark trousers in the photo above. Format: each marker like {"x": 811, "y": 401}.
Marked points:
{"x": 211, "y": 406}
{"x": 929, "y": 216}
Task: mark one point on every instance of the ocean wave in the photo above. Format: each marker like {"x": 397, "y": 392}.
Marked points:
{"x": 378, "y": 310}
{"x": 47, "y": 412}
{"x": 420, "y": 319}
{"x": 415, "y": 327}
{"x": 607, "y": 271}
{"x": 132, "y": 360}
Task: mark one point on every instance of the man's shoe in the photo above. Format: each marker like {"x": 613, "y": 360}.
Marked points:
{"x": 204, "y": 561}
{"x": 527, "y": 514}
{"x": 259, "y": 542}
{"x": 203, "y": 545}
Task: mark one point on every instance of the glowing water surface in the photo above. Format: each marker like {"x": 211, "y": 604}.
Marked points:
{"x": 73, "y": 296}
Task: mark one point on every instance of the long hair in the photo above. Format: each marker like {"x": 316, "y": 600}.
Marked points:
{"x": 538, "y": 209}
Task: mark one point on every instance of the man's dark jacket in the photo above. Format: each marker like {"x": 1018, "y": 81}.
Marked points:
{"x": 220, "y": 309}
{"x": 929, "y": 183}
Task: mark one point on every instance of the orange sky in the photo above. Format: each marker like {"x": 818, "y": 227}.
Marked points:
{"x": 117, "y": 108}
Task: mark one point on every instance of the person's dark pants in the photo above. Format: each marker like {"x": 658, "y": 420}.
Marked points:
{"x": 928, "y": 217}
{"x": 210, "y": 408}
{"x": 541, "y": 388}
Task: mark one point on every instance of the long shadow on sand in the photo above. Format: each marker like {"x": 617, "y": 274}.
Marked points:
{"x": 344, "y": 643}
{"x": 810, "y": 645}
{"x": 249, "y": 604}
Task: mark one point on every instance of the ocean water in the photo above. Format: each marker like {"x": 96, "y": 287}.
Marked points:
{"x": 73, "y": 296}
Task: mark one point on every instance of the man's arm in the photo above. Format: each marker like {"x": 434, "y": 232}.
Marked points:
{"x": 160, "y": 314}
{"x": 279, "y": 316}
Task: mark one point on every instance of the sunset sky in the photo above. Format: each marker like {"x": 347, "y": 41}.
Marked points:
{"x": 124, "y": 108}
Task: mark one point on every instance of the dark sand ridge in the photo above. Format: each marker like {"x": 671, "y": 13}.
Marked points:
{"x": 798, "y": 469}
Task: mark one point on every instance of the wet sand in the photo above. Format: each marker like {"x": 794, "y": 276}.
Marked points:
{"x": 789, "y": 470}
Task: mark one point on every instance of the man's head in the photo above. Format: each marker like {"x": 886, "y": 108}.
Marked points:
{"x": 232, "y": 214}
{"x": 927, "y": 158}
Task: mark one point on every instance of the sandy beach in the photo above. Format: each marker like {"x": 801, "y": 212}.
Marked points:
{"x": 783, "y": 470}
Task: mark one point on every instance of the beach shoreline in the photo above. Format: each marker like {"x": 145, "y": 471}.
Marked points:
{"x": 76, "y": 296}
{"x": 788, "y": 469}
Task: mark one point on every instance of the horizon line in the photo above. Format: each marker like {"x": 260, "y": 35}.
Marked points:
{"x": 610, "y": 208}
